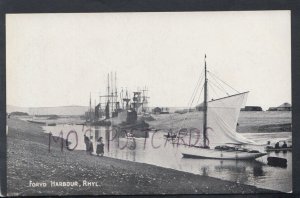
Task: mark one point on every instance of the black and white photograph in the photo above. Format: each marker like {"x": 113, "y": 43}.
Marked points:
{"x": 139, "y": 103}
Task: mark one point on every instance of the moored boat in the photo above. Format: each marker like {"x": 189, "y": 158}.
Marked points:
{"x": 220, "y": 118}
{"x": 268, "y": 149}
{"x": 194, "y": 152}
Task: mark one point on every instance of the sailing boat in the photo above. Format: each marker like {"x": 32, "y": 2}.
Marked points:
{"x": 220, "y": 118}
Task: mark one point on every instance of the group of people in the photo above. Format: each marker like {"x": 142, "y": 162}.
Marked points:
{"x": 283, "y": 146}
{"x": 90, "y": 148}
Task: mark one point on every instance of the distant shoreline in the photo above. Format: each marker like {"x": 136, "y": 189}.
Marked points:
{"x": 79, "y": 109}
{"x": 253, "y": 122}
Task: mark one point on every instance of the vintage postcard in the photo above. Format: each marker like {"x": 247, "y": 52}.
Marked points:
{"x": 131, "y": 103}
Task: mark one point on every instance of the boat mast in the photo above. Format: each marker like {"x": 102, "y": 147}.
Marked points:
{"x": 205, "y": 106}
{"x": 112, "y": 93}
{"x": 116, "y": 92}
{"x": 90, "y": 116}
{"x": 107, "y": 96}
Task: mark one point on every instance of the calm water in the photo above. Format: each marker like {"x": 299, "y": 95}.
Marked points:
{"x": 158, "y": 151}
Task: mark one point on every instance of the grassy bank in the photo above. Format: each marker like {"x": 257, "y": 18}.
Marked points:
{"x": 247, "y": 122}
{"x": 29, "y": 160}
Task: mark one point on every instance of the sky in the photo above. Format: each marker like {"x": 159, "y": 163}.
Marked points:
{"x": 58, "y": 59}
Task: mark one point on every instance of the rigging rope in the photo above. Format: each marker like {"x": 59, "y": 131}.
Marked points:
{"x": 201, "y": 77}
{"x": 190, "y": 105}
{"x": 217, "y": 84}
{"x": 196, "y": 88}
{"x": 223, "y": 81}
{"x": 200, "y": 94}
{"x": 212, "y": 88}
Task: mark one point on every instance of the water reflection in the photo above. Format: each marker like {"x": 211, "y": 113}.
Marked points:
{"x": 107, "y": 138}
{"x": 97, "y": 131}
{"x": 258, "y": 171}
{"x": 204, "y": 170}
{"x": 159, "y": 151}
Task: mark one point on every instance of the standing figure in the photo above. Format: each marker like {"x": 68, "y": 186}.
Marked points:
{"x": 87, "y": 143}
{"x": 284, "y": 145}
{"x": 100, "y": 147}
{"x": 91, "y": 147}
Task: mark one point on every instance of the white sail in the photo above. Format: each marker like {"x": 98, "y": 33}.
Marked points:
{"x": 222, "y": 118}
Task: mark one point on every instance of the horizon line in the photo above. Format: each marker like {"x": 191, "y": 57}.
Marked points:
{"x": 92, "y": 106}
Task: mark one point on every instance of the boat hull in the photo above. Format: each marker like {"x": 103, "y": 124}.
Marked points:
{"x": 202, "y": 153}
{"x": 279, "y": 149}
{"x": 125, "y": 116}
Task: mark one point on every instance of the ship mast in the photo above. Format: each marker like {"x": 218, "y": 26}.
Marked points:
{"x": 90, "y": 116}
{"x": 107, "y": 113}
{"x": 116, "y": 93}
{"x": 205, "y": 106}
{"x": 112, "y": 93}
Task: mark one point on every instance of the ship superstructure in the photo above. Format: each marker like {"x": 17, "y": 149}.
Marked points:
{"x": 119, "y": 107}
